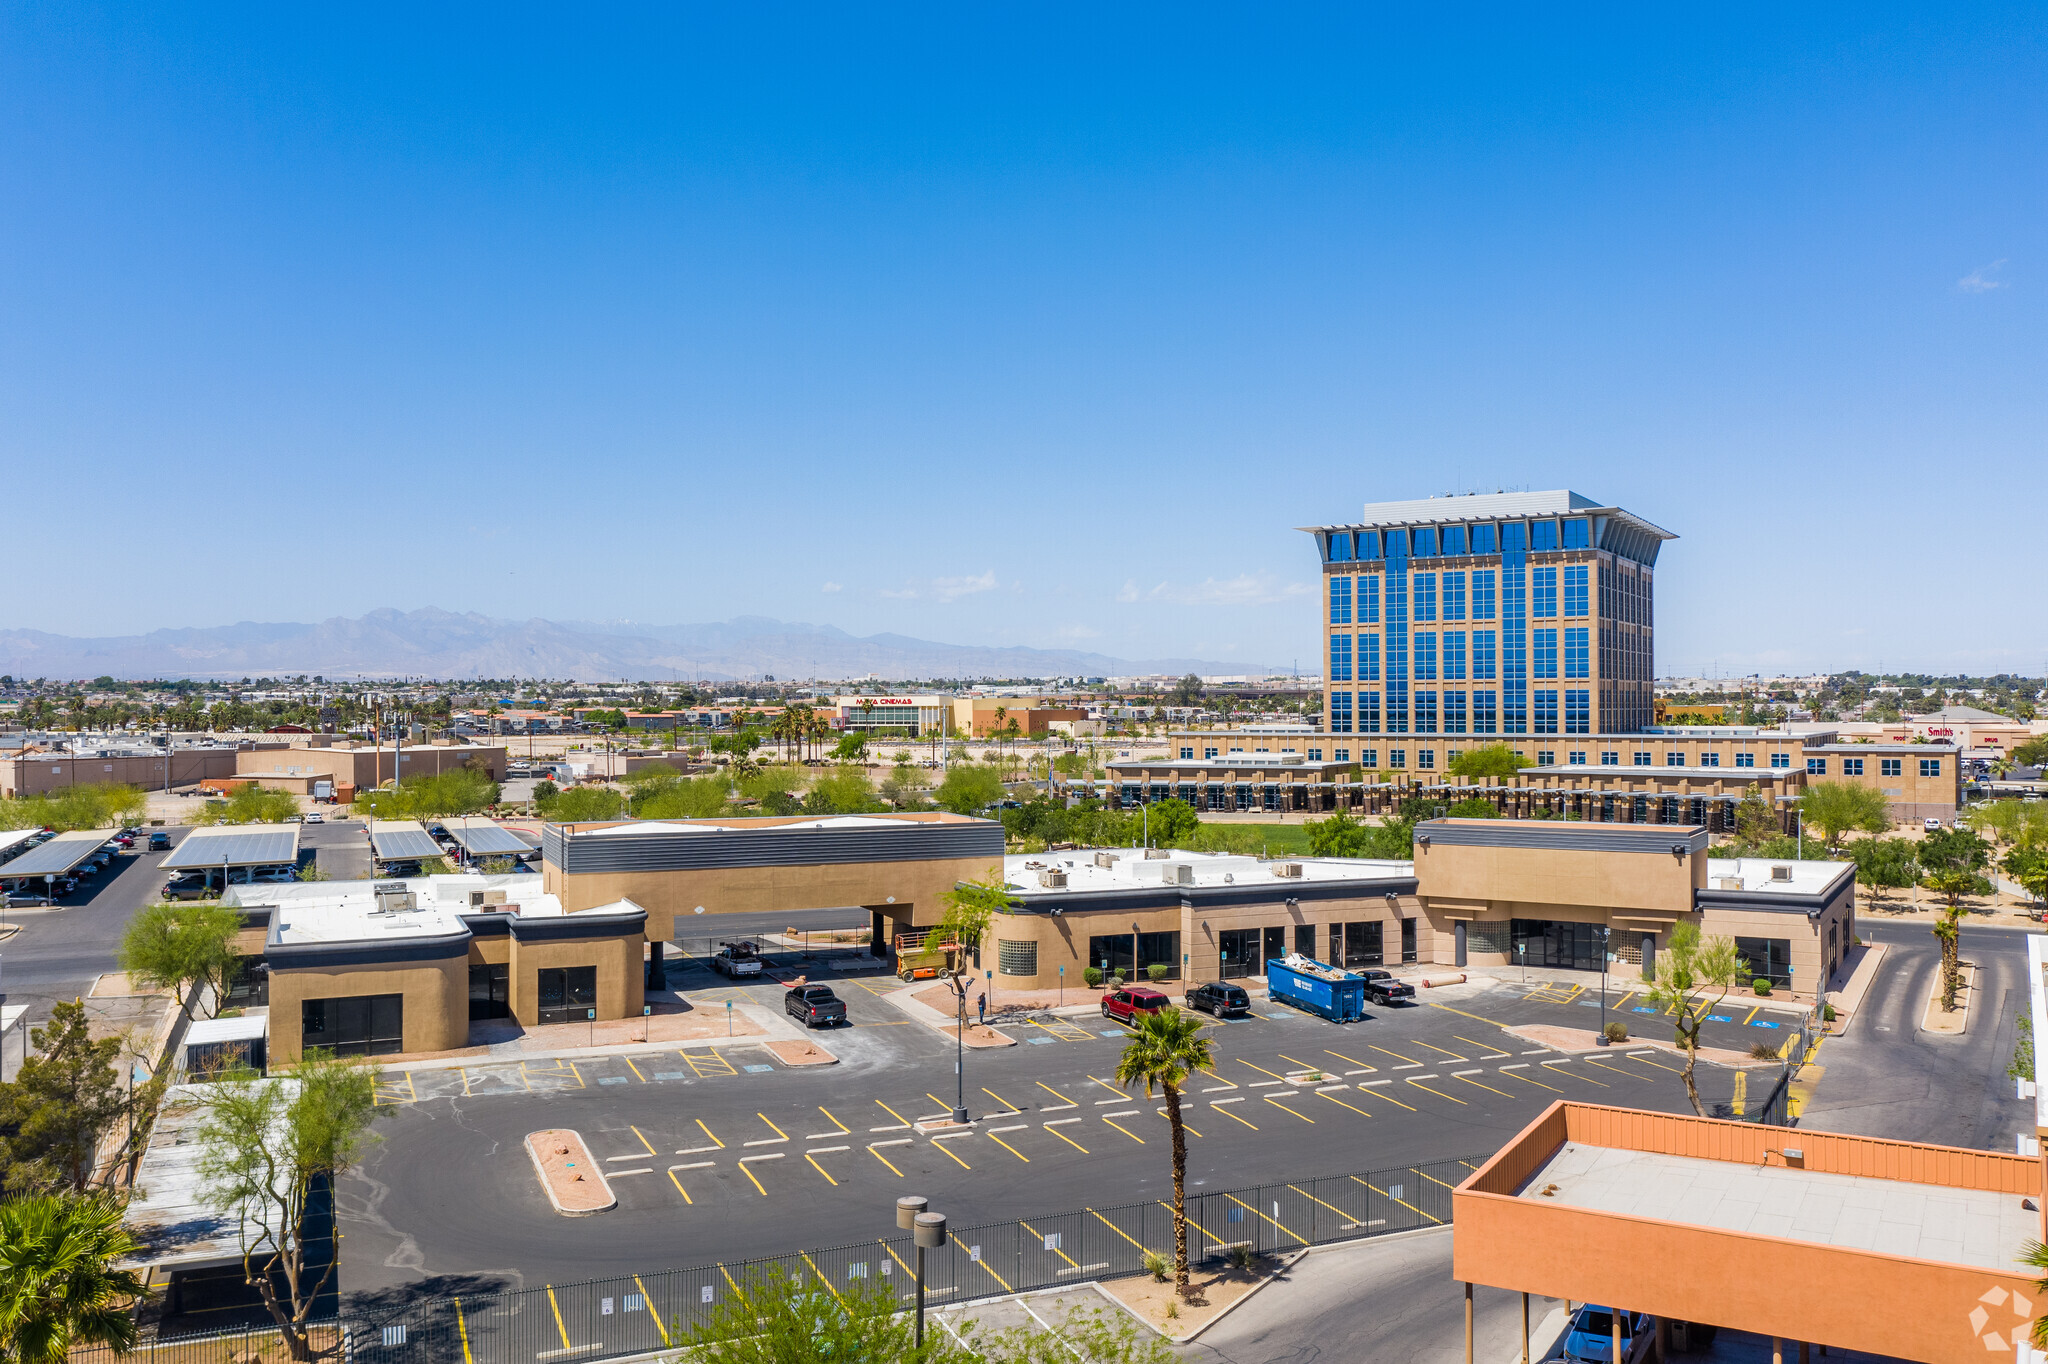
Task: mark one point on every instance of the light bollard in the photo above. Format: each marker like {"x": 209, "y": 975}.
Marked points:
{"x": 929, "y": 1233}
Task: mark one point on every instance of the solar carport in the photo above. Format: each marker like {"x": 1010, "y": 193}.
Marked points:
{"x": 230, "y": 846}
{"x": 56, "y": 857}
{"x": 11, "y": 841}
{"x": 480, "y": 837}
{"x": 402, "y": 840}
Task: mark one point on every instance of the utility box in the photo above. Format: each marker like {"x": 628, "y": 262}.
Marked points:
{"x": 1318, "y": 987}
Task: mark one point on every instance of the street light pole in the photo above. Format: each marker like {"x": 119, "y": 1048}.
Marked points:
{"x": 1604, "y": 931}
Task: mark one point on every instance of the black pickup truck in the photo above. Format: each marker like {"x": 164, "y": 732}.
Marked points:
{"x": 1382, "y": 988}
{"x": 816, "y": 1005}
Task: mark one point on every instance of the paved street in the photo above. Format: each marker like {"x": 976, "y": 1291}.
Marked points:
{"x": 730, "y": 1155}
{"x": 1886, "y": 1078}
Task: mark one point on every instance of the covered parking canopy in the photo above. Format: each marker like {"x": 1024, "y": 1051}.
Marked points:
{"x": 11, "y": 841}
{"x": 482, "y": 837}
{"x": 402, "y": 840}
{"x": 58, "y": 856}
{"x": 236, "y": 845}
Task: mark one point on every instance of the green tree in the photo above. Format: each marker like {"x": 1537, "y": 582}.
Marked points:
{"x": 175, "y": 947}
{"x": 1166, "y": 1048}
{"x": 852, "y": 745}
{"x": 1885, "y": 863}
{"x": 1473, "y": 807}
{"x": 581, "y": 803}
{"x": 1187, "y": 691}
{"x": 1837, "y": 808}
{"x": 1951, "y": 883}
{"x": 967, "y": 789}
{"x": 2032, "y": 753}
{"x": 1338, "y": 836}
{"x": 845, "y": 790}
{"x": 772, "y": 1317}
{"x": 1756, "y": 823}
{"x": 1694, "y": 975}
{"x": 1172, "y": 823}
{"x": 905, "y": 786}
{"x": 265, "y": 1148}
{"x": 59, "y": 1288}
{"x": 1488, "y": 760}
{"x": 62, "y": 1102}
{"x": 2028, "y": 867}
{"x": 249, "y": 804}
{"x": 971, "y": 906}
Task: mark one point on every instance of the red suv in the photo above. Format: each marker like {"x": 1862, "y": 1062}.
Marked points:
{"x": 1127, "y": 1004}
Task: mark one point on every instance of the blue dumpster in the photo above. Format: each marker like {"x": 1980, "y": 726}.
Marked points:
{"x": 1318, "y": 987}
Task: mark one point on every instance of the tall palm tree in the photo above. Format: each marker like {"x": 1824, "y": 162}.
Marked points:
{"x": 1167, "y": 1047}
{"x": 58, "y": 1287}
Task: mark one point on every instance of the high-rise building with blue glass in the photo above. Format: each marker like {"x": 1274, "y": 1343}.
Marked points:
{"x": 1450, "y": 621}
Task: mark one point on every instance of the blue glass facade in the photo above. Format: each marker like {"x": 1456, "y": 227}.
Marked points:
{"x": 1498, "y": 615}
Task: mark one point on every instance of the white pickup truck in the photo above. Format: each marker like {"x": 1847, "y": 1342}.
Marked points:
{"x": 736, "y": 959}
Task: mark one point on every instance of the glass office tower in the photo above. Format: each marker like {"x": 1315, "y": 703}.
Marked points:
{"x": 1450, "y": 621}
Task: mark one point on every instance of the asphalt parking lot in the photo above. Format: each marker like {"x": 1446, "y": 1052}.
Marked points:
{"x": 724, "y": 1154}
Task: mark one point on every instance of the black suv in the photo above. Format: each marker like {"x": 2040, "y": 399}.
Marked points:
{"x": 1382, "y": 988}
{"x": 816, "y": 1005}
{"x": 1219, "y": 997}
{"x": 159, "y": 841}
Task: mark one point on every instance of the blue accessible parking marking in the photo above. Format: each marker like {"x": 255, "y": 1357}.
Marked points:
{"x": 1112, "y": 1032}
{"x": 1763, "y": 1025}
{"x": 1719, "y": 1018}
{"x": 1039, "y": 1041}
{"x": 756, "y": 1070}
{"x": 671, "y": 1075}
{"x": 1639, "y": 1009}
{"x": 613, "y": 1080}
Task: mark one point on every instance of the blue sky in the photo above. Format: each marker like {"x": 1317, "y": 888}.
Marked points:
{"x": 1020, "y": 325}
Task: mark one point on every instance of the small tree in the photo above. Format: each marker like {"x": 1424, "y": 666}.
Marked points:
{"x": 1338, "y": 836}
{"x": 59, "y": 1289}
{"x": 265, "y": 1148}
{"x": 970, "y": 907}
{"x": 1166, "y": 1047}
{"x": 1488, "y": 760}
{"x": 1756, "y": 823}
{"x": 773, "y": 1317}
{"x": 1952, "y": 885}
{"x": 175, "y": 947}
{"x": 968, "y": 789}
{"x": 1694, "y": 975}
{"x": 1837, "y": 808}
{"x": 2029, "y": 867}
{"x": 62, "y": 1103}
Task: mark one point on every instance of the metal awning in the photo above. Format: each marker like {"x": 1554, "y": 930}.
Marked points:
{"x": 481, "y": 837}
{"x": 59, "y": 855}
{"x": 396, "y": 840}
{"x": 236, "y": 845}
{"x": 12, "y": 839}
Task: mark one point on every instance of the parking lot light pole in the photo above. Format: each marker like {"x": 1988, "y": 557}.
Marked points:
{"x": 1604, "y": 931}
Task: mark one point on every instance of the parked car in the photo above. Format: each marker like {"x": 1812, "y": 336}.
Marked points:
{"x": 1590, "y": 1334}
{"x": 159, "y": 841}
{"x": 1382, "y": 988}
{"x": 736, "y": 959}
{"x": 400, "y": 870}
{"x": 315, "y": 817}
{"x": 1132, "y": 1001}
{"x": 816, "y": 1005}
{"x": 122, "y": 841}
{"x": 1221, "y": 998}
{"x": 189, "y": 885}
{"x": 273, "y": 875}
{"x": 1932, "y": 826}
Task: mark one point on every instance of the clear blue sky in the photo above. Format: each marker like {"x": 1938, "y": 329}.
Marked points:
{"x": 1020, "y": 325}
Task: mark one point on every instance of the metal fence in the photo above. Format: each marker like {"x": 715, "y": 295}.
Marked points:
{"x": 800, "y": 954}
{"x": 606, "y": 1318}
{"x": 1776, "y": 1108}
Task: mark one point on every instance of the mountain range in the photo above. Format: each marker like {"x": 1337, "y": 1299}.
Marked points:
{"x": 444, "y": 644}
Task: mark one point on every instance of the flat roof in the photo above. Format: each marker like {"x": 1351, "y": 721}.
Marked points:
{"x": 1132, "y": 870}
{"x": 1853, "y": 1212}
{"x": 169, "y": 1213}
{"x": 706, "y": 826}
{"x": 236, "y": 845}
{"x": 1761, "y": 874}
{"x": 1652, "y": 770}
{"x": 14, "y": 838}
{"x": 1289, "y": 760}
{"x": 59, "y": 855}
{"x": 482, "y": 837}
{"x": 402, "y": 839}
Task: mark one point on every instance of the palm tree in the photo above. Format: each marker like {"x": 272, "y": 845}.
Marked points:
{"x": 2035, "y": 1257}
{"x": 1167, "y": 1048}
{"x": 58, "y": 1287}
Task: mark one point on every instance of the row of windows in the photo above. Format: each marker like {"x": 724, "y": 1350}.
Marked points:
{"x": 1452, "y": 712}
{"x": 1445, "y": 542}
{"x": 1886, "y": 767}
{"x": 1429, "y": 603}
{"x": 1450, "y": 660}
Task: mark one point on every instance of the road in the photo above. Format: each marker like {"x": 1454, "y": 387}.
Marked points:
{"x": 727, "y": 1159}
{"x": 1886, "y": 1078}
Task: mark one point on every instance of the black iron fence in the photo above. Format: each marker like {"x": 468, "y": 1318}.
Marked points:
{"x": 606, "y": 1318}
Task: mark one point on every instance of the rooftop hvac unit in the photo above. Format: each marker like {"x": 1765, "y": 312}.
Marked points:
{"x": 1179, "y": 874}
{"x": 1287, "y": 869}
{"x": 1105, "y": 859}
{"x": 1781, "y": 873}
{"x": 1728, "y": 883}
{"x": 1156, "y": 854}
{"x": 1051, "y": 879}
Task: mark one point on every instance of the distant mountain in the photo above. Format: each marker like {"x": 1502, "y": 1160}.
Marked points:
{"x": 436, "y": 643}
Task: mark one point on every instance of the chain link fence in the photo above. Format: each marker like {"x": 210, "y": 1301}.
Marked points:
{"x": 606, "y": 1318}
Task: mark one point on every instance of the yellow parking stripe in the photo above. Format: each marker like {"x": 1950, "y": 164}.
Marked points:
{"x": 843, "y": 1128}
{"x": 1065, "y": 1138}
{"x": 755, "y": 1182}
{"x": 940, "y": 1102}
{"x": 1453, "y": 1055}
{"x": 894, "y": 1114}
{"x": 1517, "y": 1075}
{"x": 558, "y": 1318}
{"x": 1483, "y": 1046}
{"x": 1126, "y": 1131}
{"x": 635, "y": 1069}
{"x": 821, "y": 1276}
{"x": 1341, "y": 1104}
{"x": 707, "y": 1132}
{"x": 1000, "y": 1099}
{"x": 1353, "y": 1060}
{"x": 1228, "y": 1114}
{"x": 1331, "y": 1206}
{"x": 1193, "y": 1225}
{"x": 1675, "y": 1070}
{"x": 1242, "y": 1204}
{"x": 1395, "y": 1054}
{"x": 997, "y": 1277}
{"x": 652, "y": 1310}
{"x": 772, "y": 1127}
{"x": 885, "y": 1160}
{"x": 1041, "y": 1237}
{"x": 1752, "y": 1013}
{"x": 1260, "y": 1069}
{"x": 1430, "y": 1177}
{"x": 1438, "y": 1092}
{"x": 643, "y": 1139}
{"x": 894, "y": 1256}
{"x": 1007, "y": 1147}
{"x": 1554, "y": 1070}
{"x": 1616, "y": 1069}
{"x": 946, "y": 1147}
{"x": 1502, "y": 1092}
{"x": 1297, "y": 1061}
{"x": 463, "y": 1327}
{"x": 1119, "y": 1230}
{"x": 1402, "y": 1201}
{"x": 679, "y": 1187}
{"x": 820, "y": 1169}
{"x": 1110, "y": 1087}
{"x": 1285, "y": 1109}
{"x": 1054, "y": 1092}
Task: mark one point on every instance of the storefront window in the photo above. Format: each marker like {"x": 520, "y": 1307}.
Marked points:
{"x": 1766, "y": 958}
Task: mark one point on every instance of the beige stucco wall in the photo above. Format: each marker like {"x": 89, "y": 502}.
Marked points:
{"x": 621, "y": 973}
{"x": 667, "y": 895}
{"x": 1564, "y": 876}
{"x": 436, "y": 1001}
